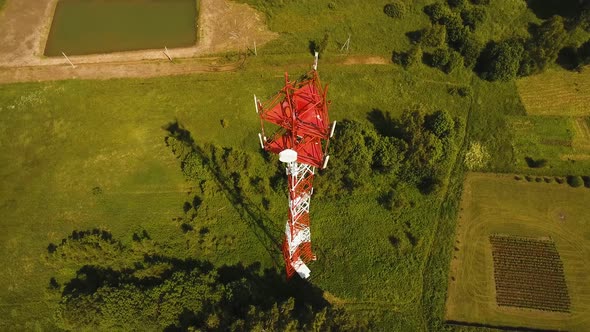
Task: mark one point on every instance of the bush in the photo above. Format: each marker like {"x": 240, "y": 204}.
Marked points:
{"x": 437, "y": 12}
{"x": 456, "y": 31}
{"x": 440, "y": 123}
{"x": 517, "y": 177}
{"x": 575, "y": 181}
{"x": 471, "y": 50}
{"x": 408, "y": 59}
{"x": 395, "y": 9}
{"x": 455, "y": 61}
{"x": 548, "y": 41}
{"x": 538, "y": 179}
{"x": 435, "y": 36}
{"x": 529, "y": 178}
{"x": 473, "y": 17}
{"x": 463, "y": 91}
{"x": 413, "y": 57}
{"x": 559, "y": 180}
{"x": 456, "y": 3}
{"x": 548, "y": 179}
{"x": 527, "y": 65}
{"x": 439, "y": 58}
{"x": 586, "y": 180}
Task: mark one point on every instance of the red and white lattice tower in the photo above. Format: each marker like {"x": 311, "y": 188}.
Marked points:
{"x": 300, "y": 110}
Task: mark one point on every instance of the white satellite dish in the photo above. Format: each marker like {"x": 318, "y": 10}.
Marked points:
{"x": 288, "y": 156}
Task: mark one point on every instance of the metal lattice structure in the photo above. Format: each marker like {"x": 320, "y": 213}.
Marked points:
{"x": 299, "y": 114}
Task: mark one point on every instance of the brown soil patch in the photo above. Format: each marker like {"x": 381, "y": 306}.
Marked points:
{"x": 365, "y": 60}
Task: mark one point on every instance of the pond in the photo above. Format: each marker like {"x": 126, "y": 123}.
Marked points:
{"x": 104, "y": 26}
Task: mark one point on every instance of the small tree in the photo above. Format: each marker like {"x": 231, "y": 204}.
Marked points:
{"x": 437, "y": 12}
{"x": 413, "y": 57}
{"x": 395, "y": 9}
{"x": 473, "y": 17}
{"x": 439, "y": 58}
{"x": 575, "y": 181}
{"x": 471, "y": 50}
{"x": 456, "y": 32}
{"x": 435, "y": 36}
{"x": 502, "y": 60}
{"x": 455, "y": 61}
{"x": 440, "y": 123}
{"x": 549, "y": 40}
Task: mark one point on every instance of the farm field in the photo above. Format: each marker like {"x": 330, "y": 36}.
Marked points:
{"x": 556, "y": 92}
{"x": 562, "y": 142}
{"x": 79, "y": 27}
{"x": 496, "y": 206}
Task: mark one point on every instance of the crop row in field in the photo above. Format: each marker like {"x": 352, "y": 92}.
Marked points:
{"x": 529, "y": 274}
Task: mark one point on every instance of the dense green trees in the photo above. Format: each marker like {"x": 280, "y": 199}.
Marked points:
{"x": 408, "y": 150}
{"x": 200, "y": 297}
{"x": 547, "y": 41}
{"x": 136, "y": 286}
{"x": 501, "y": 61}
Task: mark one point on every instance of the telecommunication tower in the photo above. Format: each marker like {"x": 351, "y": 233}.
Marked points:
{"x": 299, "y": 114}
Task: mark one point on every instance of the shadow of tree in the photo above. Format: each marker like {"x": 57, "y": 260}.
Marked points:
{"x": 544, "y": 9}
{"x": 262, "y": 226}
{"x": 247, "y": 285}
{"x": 384, "y": 124}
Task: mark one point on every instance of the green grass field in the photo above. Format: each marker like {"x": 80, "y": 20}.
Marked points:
{"x": 62, "y": 140}
{"x": 80, "y": 155}
{"x": 498, "y": 204}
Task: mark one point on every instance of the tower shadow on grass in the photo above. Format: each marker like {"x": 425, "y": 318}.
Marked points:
{"x": 260, "y": 224}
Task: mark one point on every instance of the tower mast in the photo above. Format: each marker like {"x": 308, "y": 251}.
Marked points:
{"x": 299, "y": 114}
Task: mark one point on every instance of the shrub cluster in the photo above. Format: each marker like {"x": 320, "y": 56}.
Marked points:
{"x": 575, "y": 181}
{"x": 396, "y": 9}
{"x": 412, "y": 154}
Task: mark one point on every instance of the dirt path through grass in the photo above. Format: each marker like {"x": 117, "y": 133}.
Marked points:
{"x": 139, "y": 69}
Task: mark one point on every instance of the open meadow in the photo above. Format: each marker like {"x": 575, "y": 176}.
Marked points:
{"x": 498, "y": 205}
{"x": 115, "y": 192}
{"x": 82, "y": 155}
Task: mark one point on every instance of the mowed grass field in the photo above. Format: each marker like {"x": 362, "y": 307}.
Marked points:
{"x": 556, "y": 92}
{"x": 79, "y": 155}
{"x": 498, "y": 204}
